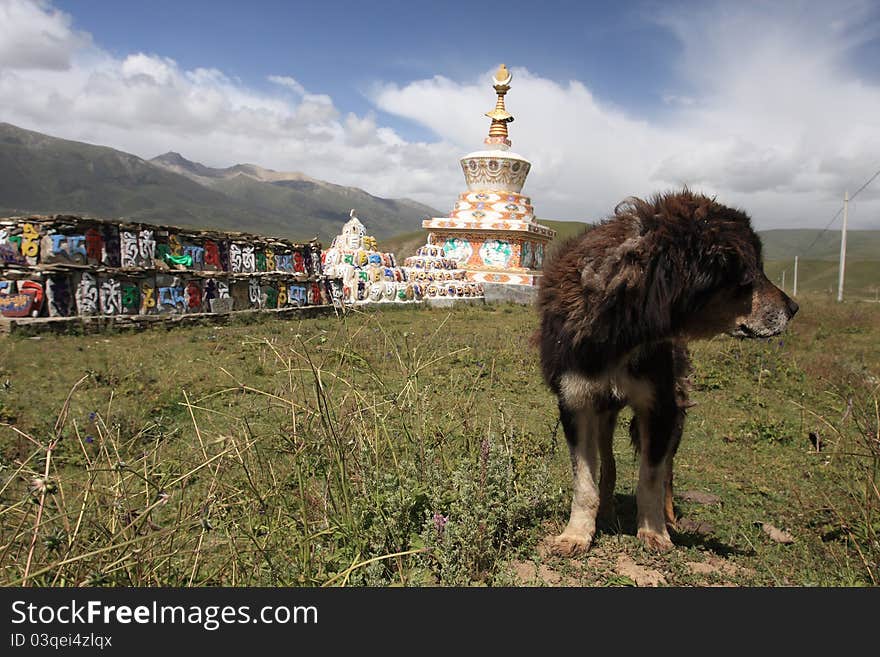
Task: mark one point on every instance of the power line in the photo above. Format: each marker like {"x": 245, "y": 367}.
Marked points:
{"x": 837, "y": 214}
{"x": 824, "y": 230}
{"x": 870, "y": 180}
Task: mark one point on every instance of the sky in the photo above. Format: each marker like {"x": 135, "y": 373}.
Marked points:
{"x": 773, "y": 107}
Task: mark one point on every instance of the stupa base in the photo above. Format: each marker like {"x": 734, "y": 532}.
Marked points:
{"x": 507, "y": 278}
{"x": 450, "y": 302}
{"x": 524, "y": 295}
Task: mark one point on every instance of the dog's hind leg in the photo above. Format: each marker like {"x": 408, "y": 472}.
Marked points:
{"x": 582, "y": 427}
{"x": 605, "y": 437}
{"x": 668, "y": 506}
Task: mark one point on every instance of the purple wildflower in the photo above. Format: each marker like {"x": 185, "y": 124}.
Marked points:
{"x": 90, "y": 439}
{"x": 440, "y": 522}
{"x": 93, "y": 416}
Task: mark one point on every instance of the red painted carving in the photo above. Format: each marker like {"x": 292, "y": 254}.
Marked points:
{"x": 298, "y": 263}
{"x": 212, "y": 255}
{"x": 94, "y": 245}
{"x": 194, "y": 295}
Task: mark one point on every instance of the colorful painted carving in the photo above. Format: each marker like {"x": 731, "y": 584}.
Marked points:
{"x": 111, "y": 297}
{"x": 94, "y": 246}
{"x": 16, "y": 305}
{"x": 193, "y": 297}
{"x": 235, "y": 259}
{"x": 148, "y": 297}
{"x": 212, "y": 255}
{"x": 438, "y": 275}
{"x": 172, "y": 299}
{"x": 248, "y": 260}
{"x": 10, "y": 249}
{"x": 129, "y": 251}
{"x": 131, "y": 299}
{"x": 148, "y": 245}
{"x": 30, "y": 241}
{"x": 147, "y": 270}
{"x": 353, "y": 257}
{"x": 255, "y": 294}
{"x": 87, "y": 294}
{"x": 459, "y": 249}
{"x": 21, "y": 299}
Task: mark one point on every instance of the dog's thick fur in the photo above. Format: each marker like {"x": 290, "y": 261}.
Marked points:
{"x": 618, "y": 305}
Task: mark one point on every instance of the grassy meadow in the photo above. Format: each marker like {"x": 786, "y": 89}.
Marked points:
{"x": 419, "y": 447}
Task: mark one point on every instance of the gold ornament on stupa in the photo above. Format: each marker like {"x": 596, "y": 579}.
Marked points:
{"x": 500, "y": 116}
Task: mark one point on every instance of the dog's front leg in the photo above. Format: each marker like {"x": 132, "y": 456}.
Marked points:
{"x": 580, "y": 432}
{"x": 658, "y": 440}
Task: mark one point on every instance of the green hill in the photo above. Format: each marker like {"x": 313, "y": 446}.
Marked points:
{"x": 820, "y": 277}
{"x": 564, "y": 229}
{"x": 43, "y": 174}
{"x": 786, "y": 244}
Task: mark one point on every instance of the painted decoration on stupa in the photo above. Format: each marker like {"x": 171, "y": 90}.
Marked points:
{"x": 496, "y": 253}
{"x": 458, "y": 248}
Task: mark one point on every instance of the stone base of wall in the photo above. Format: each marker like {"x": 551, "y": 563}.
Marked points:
{"x": 87, "y": 324}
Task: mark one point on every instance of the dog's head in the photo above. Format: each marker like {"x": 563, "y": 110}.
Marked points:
{"x": 720, "y": 270}
{"x": 764, "y": 312}
{"x": 757, "y": 309}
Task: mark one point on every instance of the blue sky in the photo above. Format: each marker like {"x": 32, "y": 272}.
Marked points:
{"x": 341, "y": 48}
{"x": 773, "y": 106}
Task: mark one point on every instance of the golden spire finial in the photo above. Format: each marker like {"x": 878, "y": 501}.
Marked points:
{"x": 500, "y": 116}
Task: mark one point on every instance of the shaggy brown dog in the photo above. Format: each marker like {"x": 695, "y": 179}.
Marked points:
{"x": 618, "y": 305}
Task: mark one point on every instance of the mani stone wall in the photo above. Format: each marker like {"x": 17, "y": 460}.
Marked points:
{"x": 68, "y": 266}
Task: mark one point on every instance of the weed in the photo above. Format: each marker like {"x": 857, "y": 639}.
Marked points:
{"x": 411, "y": 447}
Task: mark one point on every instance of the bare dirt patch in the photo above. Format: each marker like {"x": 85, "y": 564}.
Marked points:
{"x": 641, "y": 575}
{"x": 529, "y": 573}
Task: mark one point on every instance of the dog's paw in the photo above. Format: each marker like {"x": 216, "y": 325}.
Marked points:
{"x": 654, "y": 541}
{"x": 567, "y": 545}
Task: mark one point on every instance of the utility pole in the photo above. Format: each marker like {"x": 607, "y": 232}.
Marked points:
{"x": 783, "y": 280}
{"x": 794, "y": 289}
{"x": 843, "y": 247}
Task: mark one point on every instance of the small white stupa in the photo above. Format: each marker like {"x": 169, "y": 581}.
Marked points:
{"x": 366, "y": 274}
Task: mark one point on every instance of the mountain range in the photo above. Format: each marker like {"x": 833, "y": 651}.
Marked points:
{"x": 45, "y": 175}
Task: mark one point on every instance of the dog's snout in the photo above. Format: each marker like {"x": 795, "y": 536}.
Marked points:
{"x": 792, "y": 307}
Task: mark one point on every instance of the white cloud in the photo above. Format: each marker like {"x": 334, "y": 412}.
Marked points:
{"x": 767, "y": 114}
{"x": 288, "y": 82}
{"x": 33, "y": 35}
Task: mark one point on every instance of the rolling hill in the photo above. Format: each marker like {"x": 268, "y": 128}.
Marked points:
{"x": 43, "y": 174}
